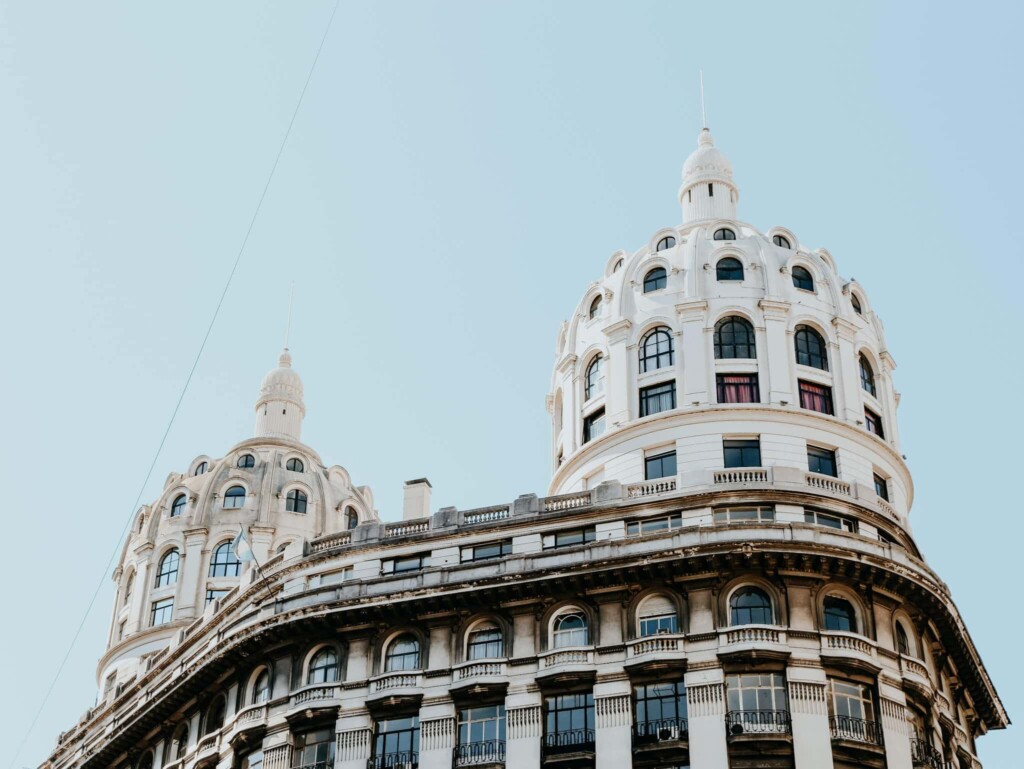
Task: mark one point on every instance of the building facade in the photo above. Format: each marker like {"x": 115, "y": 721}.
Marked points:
{"x": 722, "y": 574}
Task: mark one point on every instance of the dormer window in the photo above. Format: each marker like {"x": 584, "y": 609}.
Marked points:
{"x": 781, "y": 241}
{"x": 802, "y": 279}
{"x": 665, "y": 243}
{"x": 595, "y": 308}
{"x": 856, "y": 304}
{"x": 234, "y": 498}
{"x": 178, "y": 506}
{"x": 724, "y": 233}
{"x": 655, "y": 280}
{"x": 200, "y": 468}
{"x": 246, "y": 461}
{"x": 295, "y": 465}
{"x": 729, "y": 269}
{"x": 296, "y": 501}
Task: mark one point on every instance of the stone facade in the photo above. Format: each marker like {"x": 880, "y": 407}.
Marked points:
{"x": 723, "y": 573}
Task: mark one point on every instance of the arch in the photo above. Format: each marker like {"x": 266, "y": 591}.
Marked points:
{"x": 781, "y": 241}
{"x": 903, "y": 636}
{"x": 179, "y": 742}
{"x": 656, "y": 349}
{"x": 724, "y": 233}
{"x": 213, "y": 720}
{"x": 595, "y": 307}
{"x": 837, "y": 613}
{"x": 234, "y": 497}
{"x": 323, "y": 665}
{"x": 802, "y": 278}
{"x": 729, "y": 268}
{"x": 735, "y": 338}
{"x": 167, "y": 568}
{"x": 826, "y": 258}
{"x": 593, "y": 380}
{"x": 665, "y": 242}
{"x": 615, "y": 263}
{"x": 569, "y": 626}
{"x": 295, "y": 465}
{"x": 296, "y": 501}
{"x": 283, "y": 546}
{"x": 403, "y": 652}
{"x": 656, "y": 613}
{"x": 178, "y": 505}
{"x": 484, "y": 639}
{"x": 199, "y": 466}
{"x": 129, "y": 585}
{"x": 751, "y": 604}
{"x": 811, "y": 348}
{"x": 224, "y": 562}
{"x": 145, "y": 760}
{"x": 351, "y": 517}
{"x": 867, "y": 375}
{"x": 655, "y": 279}
{"x": 246, "y": 461}
{"x": 259, "y": 688}
{"x": 856, "y": 303}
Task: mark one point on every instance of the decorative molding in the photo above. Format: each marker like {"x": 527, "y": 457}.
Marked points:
{"x": 354, "y": 745}
{"x": 808, "y": 697}
{"x": 706, "y": 700}
{"x": 894, "y": 716}
{"x": 523, "y": 723}
{"x": 613, "y": 711}
{"x": 278, "y": 758}
{"x": 437, "y": 734}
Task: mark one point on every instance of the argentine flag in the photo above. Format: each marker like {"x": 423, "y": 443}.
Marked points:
{"x": 243, "y": 551}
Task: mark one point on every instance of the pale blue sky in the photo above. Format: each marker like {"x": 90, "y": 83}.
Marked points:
{"x": 457, "y": 175}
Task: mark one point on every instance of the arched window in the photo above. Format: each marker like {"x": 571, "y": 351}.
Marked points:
{"x": 351, "y": 518}
{"x": 729, "y": 268}
{"x": 234, "y": 497}
{"x": 261, "y": 689}
{"x": 570, "y": 629}
{"x": 867, "y": 376}
{"x": 666, "y": 242}
{"x": 178, "y": 505}
{"x": 810, "y": 348}
{"x": 129, "y": 583}
{"x": 781, "y": 240}
{"x": 802, "y": 278}
{"x": 618, "y": 266}
{"x": 200, "y": 468}
{"x": 902, "y": 640}
{"x": 594, "y": 381}
{"x": 839, "y": 615}
{"x": 595, "y": 307}
{"x": 167, "y": 571}
{"x": 656, "y": 350}
{"x": 146, "y": 761}
{"x": 655, "y": 279}
{"x": 295, "y": 501}
{"x": 485, "y": 642}
{"x": 403, "y": 654}
{"x": 224, "y": 563}
{"x": 180, "y": 742}
{"x": 246, "y": 461}
{"x": 856, "y": 304}
{"x": 295, "y": 465}
{"x": 725, "y": 233}
{"x": 734, "y": 338}
{"x": 323, "y": 668}
{"x": 657, "y": 614}
{"x": 215, "y": 715}
{"x": 751, "y": 606}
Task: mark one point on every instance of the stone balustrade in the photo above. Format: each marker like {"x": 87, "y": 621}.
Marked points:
{"x": 659, "y": 644}
{"x": 404, "y": 529}
{"x": 315, "y": 694}
{"x": 566, "y": 502}
{"x": 651, "y": 488}
{"x": 742, "y": 475}
{"x": 481, "y": 669}
{"x": 754, "y": 634}
{"x": 847, "y": 642}
{"x": 828, "y": 483}
{"x": 486, "y": 514}
{"x": 390, "y": 681}
{"x": 561, "y": 657}
{"x": 331, "y": 542}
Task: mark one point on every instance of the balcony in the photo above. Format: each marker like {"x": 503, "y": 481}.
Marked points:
{"x": 317, "y": 765}
{"x": 406, "y": 759}
{"x": 313, "y": 694}
{"x": 757, "y": 722}
{"x": 758, "y": 640}
{"x": 855, "y": 730}
{"x": 568, "y": 748}
{"x": 924, "y": 754}
{"x": 661, "y": 742}
{"x": 663, "y": 730}
{"x": 483, "y": 753}
{"x": 664, "y": 650}
{"x": 479, "y": 677}
{"x": 850, "y": 648}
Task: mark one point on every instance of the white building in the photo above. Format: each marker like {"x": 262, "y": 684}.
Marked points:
{"x": 723, "y": 573}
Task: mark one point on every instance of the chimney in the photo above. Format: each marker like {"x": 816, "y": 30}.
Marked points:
{"x": 417, "y": 499}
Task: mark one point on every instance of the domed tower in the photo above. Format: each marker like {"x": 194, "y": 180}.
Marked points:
{"x": 280, "y": 408}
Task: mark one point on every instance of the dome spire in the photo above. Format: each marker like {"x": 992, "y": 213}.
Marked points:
{"x": 708, "y": 190}
{"x": 280, "y": 408}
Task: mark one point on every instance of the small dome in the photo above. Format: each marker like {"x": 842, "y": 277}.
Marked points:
{"x": 706, "y": 162}
{"x": 283, "y": 380}
{"x": 280, "y": 407}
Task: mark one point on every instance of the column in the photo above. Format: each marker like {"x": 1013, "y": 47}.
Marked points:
{"x": 895, "y": 730}
{"x": 775, "y": 378}
{"x": 190, "y": 574}
{"x": 887, "y": 397}
{"x": 619, "y": 374}
{"x": 523, "y": 731}
{"x": 846, "y": 372}
{"x": 614, "y": 720}
{"x": 691, "y": 352}
{"x": 705, "y": 695}
{"x": 808, "y": 709}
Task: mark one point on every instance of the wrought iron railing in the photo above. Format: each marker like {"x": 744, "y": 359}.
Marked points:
{"x": 858, "y": 729}
{"x": 660, "y": 730}
{"x": 739, "y": 722}
{"x": 569, "y": 741}
{"x": 482, "y": 752}
{"x": 923, "y": 753}
{"x": 317, "y": 765}
{"x": 402, "y": 759}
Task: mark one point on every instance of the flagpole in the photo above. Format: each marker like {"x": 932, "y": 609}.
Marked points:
{"x": 250, "y": 554}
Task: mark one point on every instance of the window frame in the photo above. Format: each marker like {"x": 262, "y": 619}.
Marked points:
{"x": 873, "y": 423}
{"x": 881, "y": 487}
{"x": 492, "y": 648}
{"x": 760, "y": 611}
{"x": 594, "y": 419}
{"x": 237, "y": 501}
{"x": 295, "y": 465}
{"x": 580, "y": 535}
{"x": 178, "y": 505}
{"x": 724, "y": 233}
{"x": 594, "y": 310}
{"x": 803, "y": 279}
{"x": 665, "y": 243}
{"x": 660, "y": 463}
{"x": 816, "y": 397}
{"x": 724, "y": 389}
{"x": 743, "y": 514}
{"x": 167, "y": 572}
{"x": 660, "y": 337}
{"x": 822, "y": 455}
{"x": 732, "y": 272}
{"x": 834, "y": 615}
{"x": 656, "y": 396}
{"x": 246, "y": 461}
{"x": 566, "y": 638}
{"x": 867, "y": 376}
{"x": 656, "y": 279}
{"x": 404, "y": 658}
{"x": 593, "y": 379}
{"x": 223, "y": 560}
{"x": 296, "y": 501}
{"x": 642, "y": 526}
{"x": 781, "y": 241}
{"x": 164, "y": 608}
{"x": 803, "y": 336}
{"x": 318, "y": 672}
{"x": 727, "y": 342}
{"x": 747, "y": 448}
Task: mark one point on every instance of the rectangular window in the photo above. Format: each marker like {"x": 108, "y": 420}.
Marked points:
{"x": 742, "y": 453}
{"x": 161, "y": 612}
{"x": 481, "y": 736}
{"x": 396, "y": 742}
{"x": 658, "y": 623}
{"x": 757, "y": 514}
{"x": 657, "y": 398}
{"x": 487, "y": 552}
{"x": 651, "y": 525}
{"x": 315, "y": 749}
{"x": 737, "y": 388}
{"x": 881, "y": 487}
{"x": 852, "y": 712}
{"x": 660, "y": 466}
{"x": 874, "y": 423}
{"x": 336, "y": 576}
{"x": 215, "y": 595}
{"x": 816, "y": 397}
{"x": 711, "y": 190}
{"x": 404, "y": 565}
{"x": 757, "y": 702}
{"x": 659, "y": 711}
{"x": 593, "y": 425}
{"x": 822, "y": 461}
{"x": 569, "y": 537}
{"x": 569, "y": 723}
{"x": 832, "y": 521}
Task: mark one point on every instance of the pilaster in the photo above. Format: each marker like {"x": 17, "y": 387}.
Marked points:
{"x": 613, "y": 738}
{"x": 705, "y": 694}
{"x": 618, "y": 375}
{"x": 895, "y": 731}
{"x": 437, "y": 738}
{"x": 808, "y": 706}
{"x": 523, "y": 735}
{"x": 691, "y": 353}
{"x": 779, "y": 383}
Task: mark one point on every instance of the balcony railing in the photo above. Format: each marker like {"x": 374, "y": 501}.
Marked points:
{"x": 569, "y": 741}
{"x": 923, "y": 753}
{"x": 317, "y": 765}
{"x": 739, "y": 722}
{"x": 483, "y": 752}
{"x": 661, "y": 730}
{"x": 856, "y": 729}
{"x": 403, "y": 759}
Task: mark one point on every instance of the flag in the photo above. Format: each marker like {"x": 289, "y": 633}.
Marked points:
{"x": 241, "y": 547}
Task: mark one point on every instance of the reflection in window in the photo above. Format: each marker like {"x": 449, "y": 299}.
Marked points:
{"x": 734, "y": 338}
{"x": 224, "y": 562}
{"x": 656, "y": 350}
{"x": 757, "y": 702}
{"x": 234, "y": 497}
{"x": 822, "y": 461}
{"x": 660, "y": 711}
{"x": 167, "y": 571}
{"x": 660, "y": 466}
{"x": 314, "y": 750}
{"x": 810, "y": 348}
{"x": 839, "y": 615}
{"x": 481, "y": 736}
{"x": 655, "y": 280}
{"x": 161, "y": 612}
{"x": 570, "y": 630}
{"x": 657, "y": 615}
{"x": 742, "y": 452}
{"x": 403, "y": 654}
{"x": 802, "y": 278}
{"x": 323, "y": 668}
{"x": 657, "y": 398}
{"x": 750, "y": 606}
{"x": 296, "y": 501}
